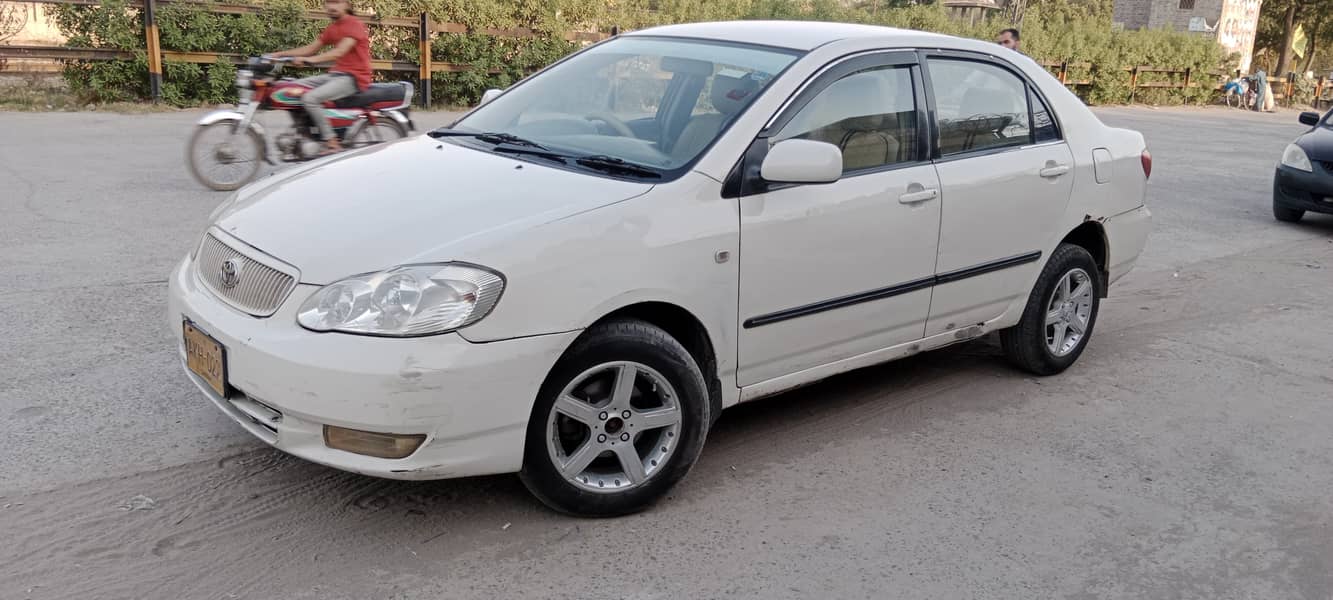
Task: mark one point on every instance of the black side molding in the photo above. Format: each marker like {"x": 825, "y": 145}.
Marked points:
{"x": 990, "y": 267}
{"x": 825, "y": 305}
{"x": 891, "y": 291}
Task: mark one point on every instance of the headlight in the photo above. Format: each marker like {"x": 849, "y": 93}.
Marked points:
{"x": 404, "y": 301}
{"x": 1295, "y": 158}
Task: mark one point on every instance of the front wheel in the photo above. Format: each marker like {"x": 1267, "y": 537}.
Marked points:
{"x": 621, "y": 419}
{"x": 1060, "y": 314}
{"x": 1286, "y": 215}
{"x": 222, "y": 157}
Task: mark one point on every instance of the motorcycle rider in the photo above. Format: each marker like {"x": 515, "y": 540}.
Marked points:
{"x": 350, "y": 41}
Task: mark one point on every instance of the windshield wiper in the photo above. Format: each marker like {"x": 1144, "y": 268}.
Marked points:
{"x": 611, "y": 163}
{"x": 490, "y": 137}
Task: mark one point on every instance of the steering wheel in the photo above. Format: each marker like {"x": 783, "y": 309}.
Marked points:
{"x": 612, "y": 120}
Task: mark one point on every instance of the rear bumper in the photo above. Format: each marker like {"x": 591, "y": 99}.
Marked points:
{"x": 1303, "y": 191}
{"x": 1126, "y": 235}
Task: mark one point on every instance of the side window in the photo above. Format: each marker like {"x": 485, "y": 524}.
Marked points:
{"x": 979, "y": 106}
{"x": 870, "y": 115}
{"x": 1043, "y": 125}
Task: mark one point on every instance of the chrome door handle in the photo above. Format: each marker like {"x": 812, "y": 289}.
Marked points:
{"x": 921, "y": 196}
{"x": 1054, "y": 170}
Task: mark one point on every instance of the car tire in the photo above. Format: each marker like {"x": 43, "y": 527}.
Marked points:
{"x": 1044, "y": 342}
{"x": 1286, "y": 215}
{"x": 614, "y": 423}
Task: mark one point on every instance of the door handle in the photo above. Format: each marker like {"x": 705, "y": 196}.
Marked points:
{"x": 921, "y": 196}
{"x": 1054, "y": 170}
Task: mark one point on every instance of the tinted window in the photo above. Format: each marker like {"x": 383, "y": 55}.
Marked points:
{"x": 869, "y": 115}
{"x": 1043, "y": 125}
{"x": 605, "y": 100}
{"x": 979, "y": 106}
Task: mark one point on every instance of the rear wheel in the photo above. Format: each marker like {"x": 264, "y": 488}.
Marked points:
{"x": 222, "y": 157}
{"x": 364, "y": 133}
{"x": 1286, "y": 215}
{"x": 1059, "y": 316}
{"x": 619, "y": 421}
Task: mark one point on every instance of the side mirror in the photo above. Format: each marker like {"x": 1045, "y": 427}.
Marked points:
{"x": 802, "y": 161}
{"x": 489, "y": 95}
{"x": 1310, "y": 118}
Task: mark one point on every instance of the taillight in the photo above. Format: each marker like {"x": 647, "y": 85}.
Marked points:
{"x": 1146, "y": 159}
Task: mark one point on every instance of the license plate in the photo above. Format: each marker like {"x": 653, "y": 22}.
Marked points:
{"x": 205, "y": 357}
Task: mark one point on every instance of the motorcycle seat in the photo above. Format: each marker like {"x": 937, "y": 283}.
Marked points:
{"x": 386, "y": 94}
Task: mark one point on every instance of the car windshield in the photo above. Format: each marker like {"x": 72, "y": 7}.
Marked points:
{"x": 653, "y": 102}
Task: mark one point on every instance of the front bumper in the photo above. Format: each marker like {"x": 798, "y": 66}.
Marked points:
{"x": 471, "y": 400}
{"x": 1304, "y": 191}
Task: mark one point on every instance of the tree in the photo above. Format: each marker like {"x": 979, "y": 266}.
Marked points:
{"x": 1277, "y": 28}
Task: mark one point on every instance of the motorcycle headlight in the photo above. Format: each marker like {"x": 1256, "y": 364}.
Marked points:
{"x": 1295, "y": 158}
{"x": 411, "y": 300}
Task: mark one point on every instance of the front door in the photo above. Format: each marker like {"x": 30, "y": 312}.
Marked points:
{"x": 1007, "y": 176}
{"x": 828, "y": 272}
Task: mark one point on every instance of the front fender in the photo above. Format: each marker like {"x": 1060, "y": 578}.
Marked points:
{"x": 239, "y": 117}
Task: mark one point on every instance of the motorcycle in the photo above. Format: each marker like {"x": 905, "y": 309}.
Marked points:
{"x": 227, "y": 146}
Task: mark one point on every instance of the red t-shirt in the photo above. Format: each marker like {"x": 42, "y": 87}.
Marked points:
{"x": 357, "y": 61}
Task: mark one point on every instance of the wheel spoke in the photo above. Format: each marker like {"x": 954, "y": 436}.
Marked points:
{"x": 1064, "y": 288}
{"x": 1076, "y": 324}
{"x": 657, "y": 418}
{"x": 577, "y": 409}
{"x": 581, "y": 458}
{"x": 1053, "y": 317}
{"x": 630, "y": 461}
{"x": 624, "y": 387}
{"x": 1083, "y": 289}
{"x": 1061, "y": 330}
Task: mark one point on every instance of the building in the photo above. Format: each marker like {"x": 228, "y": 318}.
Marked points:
{"x": 970, "y": 10}
{"x": 1231, "y": 22}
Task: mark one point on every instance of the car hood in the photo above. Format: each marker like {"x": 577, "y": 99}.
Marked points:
{"x": 1317, "y": 143}
{"x": 415, "y": 200}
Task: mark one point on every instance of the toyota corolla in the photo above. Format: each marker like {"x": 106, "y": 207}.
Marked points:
{"x": 573, "y": 280}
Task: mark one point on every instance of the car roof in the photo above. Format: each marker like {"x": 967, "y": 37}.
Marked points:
{"x": 796, "y": 35}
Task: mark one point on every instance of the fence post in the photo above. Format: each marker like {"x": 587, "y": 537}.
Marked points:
{"x": 154, "y": 48}
{"x": 1290, "y": 89}
{"x": 423, "y": 36}
{"x": 1187, "y": 77}
{"x": 1133, "y": 83}
{"x": 1064, "y": 72}
{"x": 1318, "y": 92}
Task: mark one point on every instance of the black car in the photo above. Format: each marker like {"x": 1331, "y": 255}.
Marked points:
{"x": 1304, "y": 178}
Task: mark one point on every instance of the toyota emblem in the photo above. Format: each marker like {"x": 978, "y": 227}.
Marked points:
{"x": 231, "y": 273}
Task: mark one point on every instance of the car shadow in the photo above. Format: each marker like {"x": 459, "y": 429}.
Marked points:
{"x": 742, "y": 439}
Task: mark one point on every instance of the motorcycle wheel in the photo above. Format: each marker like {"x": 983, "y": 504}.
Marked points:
{"x": 364, "y": 133}
{"x": 222, "y": 158}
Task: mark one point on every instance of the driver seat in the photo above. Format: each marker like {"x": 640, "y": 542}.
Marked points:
{"x": 729, "y": 95}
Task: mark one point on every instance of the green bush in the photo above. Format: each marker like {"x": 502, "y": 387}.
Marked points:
{"x": 1074, "y": 30}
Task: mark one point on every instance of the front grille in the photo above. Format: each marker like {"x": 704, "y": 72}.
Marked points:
{"x": 242, "y": 281}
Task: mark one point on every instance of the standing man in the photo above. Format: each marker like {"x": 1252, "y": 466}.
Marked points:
{"x": 1009, "y": 39}
{"x": 351, "y": 68}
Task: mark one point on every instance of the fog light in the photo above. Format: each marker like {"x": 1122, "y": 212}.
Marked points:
{"x": 369, "y": 443}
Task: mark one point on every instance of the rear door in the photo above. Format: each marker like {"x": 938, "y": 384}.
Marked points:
{"x": 1005, "y": 179}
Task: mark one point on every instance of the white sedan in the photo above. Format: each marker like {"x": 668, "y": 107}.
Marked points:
{"x": 574, "y": 279}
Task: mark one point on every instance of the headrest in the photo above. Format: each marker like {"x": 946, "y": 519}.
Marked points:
{"x": 732, "y": 91}
{"x": 857, "y": 101}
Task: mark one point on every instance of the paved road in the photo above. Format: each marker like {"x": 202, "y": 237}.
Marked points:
{"x": 1185, "y": 456}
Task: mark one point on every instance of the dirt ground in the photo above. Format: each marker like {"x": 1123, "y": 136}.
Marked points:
{"x": 1185, "y": 456}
